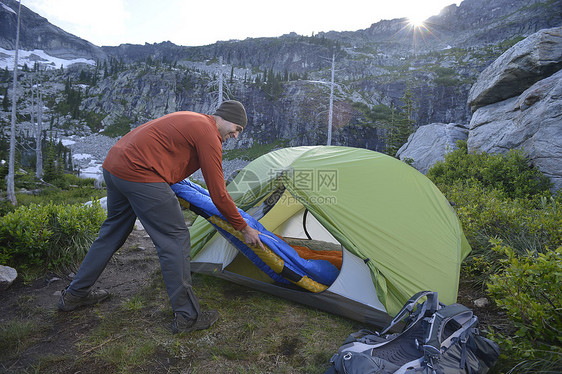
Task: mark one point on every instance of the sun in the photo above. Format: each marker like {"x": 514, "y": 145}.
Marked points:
{"x": 416, "y": 21}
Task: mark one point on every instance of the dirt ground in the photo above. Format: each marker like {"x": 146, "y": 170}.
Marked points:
{"x": 125, "y": 274}
{"x": 131, "y": 269}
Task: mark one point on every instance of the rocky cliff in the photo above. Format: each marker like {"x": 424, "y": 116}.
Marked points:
{"x": 284, "y": 81}
{"x": 517, "y": 104}
{"x": 529, "y": 116}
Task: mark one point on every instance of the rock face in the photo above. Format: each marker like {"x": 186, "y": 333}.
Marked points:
{"x": 531, "y": 117}
{"x": 532, "y": 59}
{"x": 531, "y": 121}
{"x": 7, "y": 276}
{"x": 518, "y": 105}
{"x": 430, "y": 143}
{"x": 284, "y": 81}
{"x": 37, "y": 33}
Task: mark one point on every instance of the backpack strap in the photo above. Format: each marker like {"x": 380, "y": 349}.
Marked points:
{"x": 434, "y": 346}
{"x": 439, "y": 320}
{"x": 427, "y": 308}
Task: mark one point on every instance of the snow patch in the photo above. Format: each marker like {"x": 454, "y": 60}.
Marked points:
{"x": 29, "y": 58}
{"x": 82, "y": 156}
{"x": 8, "y": 8}
{"x": 94, "y": 169}
{"x": 67, "y": 142}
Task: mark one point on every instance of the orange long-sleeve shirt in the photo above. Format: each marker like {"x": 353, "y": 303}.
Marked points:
{"x": 171, "y": 148}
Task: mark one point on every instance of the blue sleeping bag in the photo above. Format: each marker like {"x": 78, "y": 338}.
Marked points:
{"x": 321, "y": 271}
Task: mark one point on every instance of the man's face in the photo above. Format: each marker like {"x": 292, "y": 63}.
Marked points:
{"x": 230, "y": 130}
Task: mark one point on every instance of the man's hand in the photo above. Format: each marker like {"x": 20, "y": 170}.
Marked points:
{"x": 251, "y": 237}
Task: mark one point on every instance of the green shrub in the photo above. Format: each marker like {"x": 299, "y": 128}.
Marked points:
{"x": 94, "y": 120}
{"x": 48, "y": 236}
{"x": 253, "y": 152}
{"x": 511, "y": 174}
{"x": 120, "y": 127}
{"x": 528, "y": 289}
{"x": 66, "y": 181}
{"x": 522, "y": 223}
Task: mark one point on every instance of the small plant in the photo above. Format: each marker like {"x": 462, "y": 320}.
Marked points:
{"x": 134, "y": 304}
{"x": 15, "y": 336}
{"x": 48, "y": 236}
{"x": 118, "y": 128}
{"x": 522, "y": 223}
{"x": 510, "y": 174}
{"x": 528, "y": 288}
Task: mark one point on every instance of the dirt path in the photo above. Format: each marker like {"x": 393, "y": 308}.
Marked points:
{"x": 129, "y": 271}
{"x": 125, "y": 274}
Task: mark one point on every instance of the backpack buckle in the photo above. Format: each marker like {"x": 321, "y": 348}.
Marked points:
{"x": 431, "y": 354}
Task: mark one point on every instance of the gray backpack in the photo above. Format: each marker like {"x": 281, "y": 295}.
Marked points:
{"x": 436, "y": 339}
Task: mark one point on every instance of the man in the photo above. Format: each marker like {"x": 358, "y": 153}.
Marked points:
{"x": 138, "y": 172}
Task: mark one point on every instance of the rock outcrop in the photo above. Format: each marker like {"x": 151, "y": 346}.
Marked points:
{"x": 284, "y": 81}
{"x": 7, "y": 276}
{"x": 530, "y": 117}
{"x": 531, "y": 121}
{"x": 518, "y": 68}
{"x": 517, "y": 103}
{"x": 430, "y": 143}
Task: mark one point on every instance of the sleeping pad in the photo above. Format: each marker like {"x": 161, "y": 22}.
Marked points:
{"x": 279, "y": 261}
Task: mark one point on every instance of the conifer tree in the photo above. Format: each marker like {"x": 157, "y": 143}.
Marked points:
{"x": 6, "y": 101}
{"x": 50, "y": 170}
{"x": 402, "y": 126}
{"x": 69, "y": 162}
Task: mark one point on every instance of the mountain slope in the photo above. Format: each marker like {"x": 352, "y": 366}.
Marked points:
{"x": 37, "y": 33}
{"x": 283, "y": 80}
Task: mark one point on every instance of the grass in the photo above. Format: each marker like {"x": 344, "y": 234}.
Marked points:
{"x": 77, "y": 190}
{"x": 256, "y": 333}
{"x": 16, "y": 336}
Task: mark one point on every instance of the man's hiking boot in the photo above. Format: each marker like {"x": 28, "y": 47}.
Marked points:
{"x": 204, "y": 321}
{"x": 68, "y": 301}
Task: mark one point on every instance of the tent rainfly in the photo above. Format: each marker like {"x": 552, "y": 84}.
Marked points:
{"x": 397, "y": 233}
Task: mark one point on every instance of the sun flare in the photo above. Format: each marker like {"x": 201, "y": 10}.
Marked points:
{"x": 416, "y": 21}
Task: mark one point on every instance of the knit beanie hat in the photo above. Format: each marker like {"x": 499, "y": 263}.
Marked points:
{"x": 233, "y": 111}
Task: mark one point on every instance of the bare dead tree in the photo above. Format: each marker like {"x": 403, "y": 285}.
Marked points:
{"x": 330, "y": 115}
{"x": 38, "y": 135}
{"x": 11, "y": 165}
{"x": 220, "y": 82}
{"x": 218, "y": 86}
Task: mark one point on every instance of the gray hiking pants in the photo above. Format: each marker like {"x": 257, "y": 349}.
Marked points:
{"x": 157, "y": 207}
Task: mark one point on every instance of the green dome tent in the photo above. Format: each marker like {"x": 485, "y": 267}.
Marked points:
{"x": 397, "y": 232}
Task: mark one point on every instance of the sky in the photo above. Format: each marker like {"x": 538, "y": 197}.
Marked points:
{"x": 203, "y": 22}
